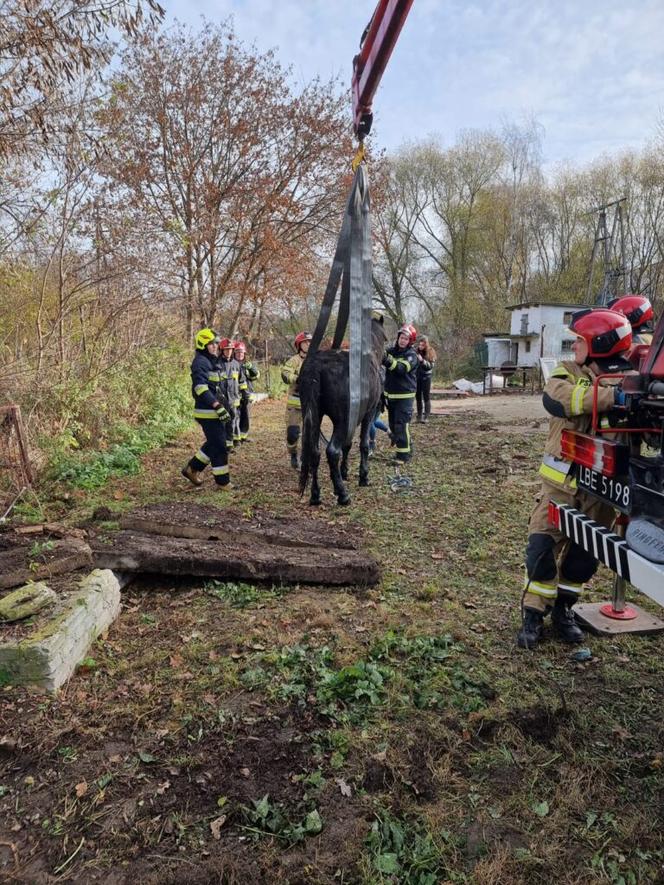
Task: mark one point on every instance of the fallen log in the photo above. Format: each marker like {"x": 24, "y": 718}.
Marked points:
{"x": 128, "y": 551}
{"x": 212, "y": 524}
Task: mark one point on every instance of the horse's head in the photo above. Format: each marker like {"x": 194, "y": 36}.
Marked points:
{"x": 378, "y": 336}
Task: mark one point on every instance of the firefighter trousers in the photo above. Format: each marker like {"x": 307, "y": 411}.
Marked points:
{"x": 293, "y": 424}
{"x": 213, "y": 451}
{"x": 399, "y": 414}
{"x": 244, "y": 418}
{"x": 555, "y": 565}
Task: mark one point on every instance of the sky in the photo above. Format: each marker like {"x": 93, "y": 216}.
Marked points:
{"x": 591, "y": 72}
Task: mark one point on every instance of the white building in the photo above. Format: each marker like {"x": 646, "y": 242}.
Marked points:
{"x": 537, "y": 329}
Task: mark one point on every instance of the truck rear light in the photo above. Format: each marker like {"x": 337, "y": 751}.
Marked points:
{"x": 590, "y": 451}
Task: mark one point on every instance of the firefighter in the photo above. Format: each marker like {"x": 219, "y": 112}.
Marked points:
{"x": 229, "y": 378}
{"x": 556, "y": 568}
{"x": 639, "y": 312}
{"x": 401, "y": 364}
{"x": 248, "y": 374}
{"x": 210, "y": 411}
{"x": 290, "y": 373}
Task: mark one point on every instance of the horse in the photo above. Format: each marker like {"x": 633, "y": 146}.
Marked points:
{"x": 324, "y": 390}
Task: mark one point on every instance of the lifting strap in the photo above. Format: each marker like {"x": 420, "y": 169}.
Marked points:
{"x": 352, "y": 266}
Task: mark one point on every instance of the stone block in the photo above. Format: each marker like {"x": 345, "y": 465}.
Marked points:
{"x": 48, "y": 657}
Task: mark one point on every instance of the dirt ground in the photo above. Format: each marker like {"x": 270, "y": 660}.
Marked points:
{"x": 224, "y": 732}
{"x": 508, "y": 411}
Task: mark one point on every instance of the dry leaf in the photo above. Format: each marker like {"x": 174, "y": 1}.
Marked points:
{"x": 161, "y": 789}
{"x": 81, "y": 789}
{"x": 216, "y": 825}
{"x": 245, "y": 772}
{"x": 176, "y": 661}
{"x": 343, "y": 786}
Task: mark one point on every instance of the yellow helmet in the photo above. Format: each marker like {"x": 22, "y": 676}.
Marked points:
{"x": 205, "y": 337}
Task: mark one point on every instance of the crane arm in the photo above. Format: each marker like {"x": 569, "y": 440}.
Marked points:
{"x": 376, "y": 48}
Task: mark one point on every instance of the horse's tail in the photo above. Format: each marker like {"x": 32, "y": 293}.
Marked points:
{"x": 309, "y": 396}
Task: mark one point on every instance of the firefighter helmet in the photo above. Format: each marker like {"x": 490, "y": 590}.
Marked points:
{"x": 605, "y": 331}
{"x": 225, "y": 343}
{"x": 239, "y": 345}
{"x": 300, "y": 338}
{"x": 410, "y": 330}
{"x": 636, "y": 308}
{"x": 205, "y": 337}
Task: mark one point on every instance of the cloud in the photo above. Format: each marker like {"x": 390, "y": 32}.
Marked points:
{"x": 591, "y": 72}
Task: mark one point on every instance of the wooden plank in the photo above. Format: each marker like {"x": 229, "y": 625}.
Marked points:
{"x": 133, "y": 552}
{"x": 188, "y": 520}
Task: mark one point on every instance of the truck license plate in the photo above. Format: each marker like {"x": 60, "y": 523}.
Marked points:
{"x": 615, "y": 490}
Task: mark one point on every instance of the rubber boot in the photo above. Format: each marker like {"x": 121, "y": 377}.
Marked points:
{"x": 531, "y": 629}
{"x": 564, "y": 624}
{"x": 192, "y": 475}
{"x": 294, "y": 463}
{"x": 420, "y": 419}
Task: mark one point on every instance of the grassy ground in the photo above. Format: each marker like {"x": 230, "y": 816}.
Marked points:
{"x": 228, "y": 733}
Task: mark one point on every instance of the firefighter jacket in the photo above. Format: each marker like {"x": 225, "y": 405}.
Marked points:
{"x": 290, "y": 374}
{"x": 400, "y": 373}
{"x": 248, "y": 374}
{"x": 204, "y": 385}
{"x": 568, "y": 398}
{"x": 229, "y": 380}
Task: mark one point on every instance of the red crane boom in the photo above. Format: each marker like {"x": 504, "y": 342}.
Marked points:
{"x": 376, "y": 48}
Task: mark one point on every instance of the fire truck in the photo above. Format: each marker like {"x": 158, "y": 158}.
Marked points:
{"x": 623, "y": 465}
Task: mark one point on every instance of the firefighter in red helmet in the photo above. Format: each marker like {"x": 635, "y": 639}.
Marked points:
{"x": 290, "y": 374}
{"x": 556, "y": 568}
{"x": 401, "y": 363}
{"x": 248, "y": 374}
{"x": 639, "y": 312}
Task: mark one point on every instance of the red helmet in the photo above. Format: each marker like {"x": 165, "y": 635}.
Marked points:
{"x": 239, "y": 345}
{"x": 606, "y": 332}
{"x": 225, "y": 343}
{"x": 636, "y": 308}
{"x": 300, "y": 338}
{"x": 409, "y": 330}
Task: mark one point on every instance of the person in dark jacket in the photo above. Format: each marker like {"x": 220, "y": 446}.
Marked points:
{"x": 210, "y": 411}
{"x": 401, "y": 363}
{"x": 426, "y": 359}
{"x": 248, "y": 374}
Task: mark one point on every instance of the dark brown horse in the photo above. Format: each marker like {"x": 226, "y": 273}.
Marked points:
{"x": 324, "y": 390}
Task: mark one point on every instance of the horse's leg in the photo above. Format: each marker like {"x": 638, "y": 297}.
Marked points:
{"x": 314, "y": 498}
{"x": 333, "y": 452}
{"x": 367, "y": 421}
{"x": 344, "y": 462}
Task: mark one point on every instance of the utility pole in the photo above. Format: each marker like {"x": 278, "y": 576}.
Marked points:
{"x": 613, "y": 249}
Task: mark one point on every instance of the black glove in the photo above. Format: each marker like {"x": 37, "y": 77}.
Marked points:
{"x": 222, "y": 411}
{"x": 387, "y": 360}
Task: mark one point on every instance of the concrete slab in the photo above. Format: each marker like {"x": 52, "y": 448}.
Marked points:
{"x": 46, "y": 658}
